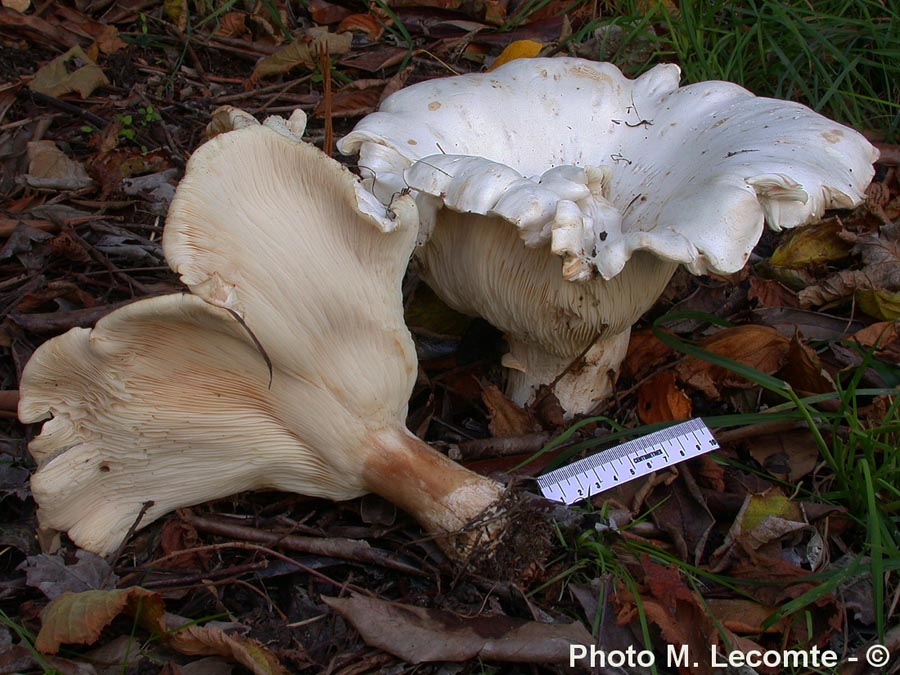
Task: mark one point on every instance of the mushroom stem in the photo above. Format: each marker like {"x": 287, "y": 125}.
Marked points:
{"x": 442, "y": 495}
{"x": 583, "y": 380}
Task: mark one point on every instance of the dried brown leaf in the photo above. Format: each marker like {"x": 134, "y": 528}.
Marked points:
{"x": 759, "y": 347}
{"x": 79, "y": 618}
{"x": 804, "y": 371}
{"x": 790, "y": 454}
{"x": 770, "y": 293}
{"x": 419, "y": 635}
{"x": 507, "y": 418}
{"x": 232, "y": 25}
{"x": 18, "y": 5}
{"x": 661, "y": 400}
{"x": 645, "y": 351}
{"x": 744, "y": 616}
{"x": 193, "y": 640}
{"x": 364, "y": 23}
{"x": 303, "y": 52}
{"x": 50, "y": 168}
{"x": 54, "y": 79}
{"x": 324, "y": 13}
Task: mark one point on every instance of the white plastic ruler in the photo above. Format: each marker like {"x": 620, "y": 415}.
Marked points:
{"x": 628, "y": 461}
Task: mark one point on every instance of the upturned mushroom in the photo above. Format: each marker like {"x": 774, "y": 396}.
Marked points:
{"x": 289, "y": 367}
{"x": 558, "y": 197}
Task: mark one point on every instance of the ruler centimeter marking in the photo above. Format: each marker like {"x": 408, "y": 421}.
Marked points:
{"x": 616, "y": 465}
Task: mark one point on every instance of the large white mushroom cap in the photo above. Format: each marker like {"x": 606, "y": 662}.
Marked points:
{"x": 606, "y": 175}
{"x": 289, "y": 368}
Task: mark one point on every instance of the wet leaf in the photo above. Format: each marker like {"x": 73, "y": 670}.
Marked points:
{"x": 661, "y": 400}
{"x": 520, "y": 49}
{"x": 419, "y": 635}
{"x": 770, "y": 293}
{"x": 54, "y": 79}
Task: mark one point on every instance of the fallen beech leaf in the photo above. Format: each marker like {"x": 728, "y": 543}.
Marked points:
{"x": 770, "y": 293}
{"x": 660, "y": 400}
{"x": 324, "y": 13}
{"x": 520, "y": 49}
{"x": 790, "y": 455}
{"x": 50, "y": 168}
{"x": 365, "y": 23}
{"x": 302, "y": 51}
{"x": 79, "y": 618}
{"x": 645, "y": 351}
{"x": 507, "y": 418}
{"x": 232, "y": 25}
{"x": 375, "y": 60}
{"x": 743, "y": 616}
{"x": 192, "y": 640}
{"x": 18, "y": 5}
{"x": 360, "y": 97}
{"x": 419, "y": 635}
{"x": 882, "y": 334}
{"x": 812, "y": 245}
{"x": 804, "y": 370}
{"x": 760, "y": 347}
{"x": 54, "y": 79}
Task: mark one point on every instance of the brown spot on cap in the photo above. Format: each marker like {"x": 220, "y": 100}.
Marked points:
{"x": 832, "y": 136}
{"x": 412, "y": 141}
{"x": 434, "y": 105}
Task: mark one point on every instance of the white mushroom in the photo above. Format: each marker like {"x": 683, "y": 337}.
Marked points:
{"x": 290, "y": 368}
{"x": 558, "y": 197}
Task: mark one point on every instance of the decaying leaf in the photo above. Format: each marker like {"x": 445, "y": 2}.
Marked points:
{"x": 507, "y": 419}
{"x": 49, "y": 168}
{"x": 876, "y": 286}
{"x": 419, "y": 635}
{"x": 53, "y": 576}
{"x": 744, "y": 616}
{"x": 790, "y": 454}
{"x": 365, "y": 23}
{"x": 812, "y": 245}
{"x": 18, "y": 5}
{"x": 303, "y": 51}
{"x": 760, "y": 347}
{"x": 79, "y": 618}
{"x": 645, "y": 351}
{"x": 54, "y": 79}
{"x": 804, "y": 370}
{"x": 661, "y": 400}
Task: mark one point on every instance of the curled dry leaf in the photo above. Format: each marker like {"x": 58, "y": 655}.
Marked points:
{"x": 508, "y": 419}
{"x": 232, "y": 25}
{"x": 419, "y": 635}
{"x": 645, "y": 351}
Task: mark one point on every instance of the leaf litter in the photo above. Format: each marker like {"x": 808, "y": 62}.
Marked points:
{"x": 101, "y": 104}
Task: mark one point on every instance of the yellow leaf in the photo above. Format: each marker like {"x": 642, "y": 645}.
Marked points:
{"x": 883, "y": 305}
{"x": 771, "y": 503}
{"x": 177, "y": 11}
{"x": 812, "y": 245}
{"x": 520, "y": 49}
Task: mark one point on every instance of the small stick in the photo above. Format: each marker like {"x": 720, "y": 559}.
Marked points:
{"x": 346, "y": 549}
{"x": 325, "y": 66}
